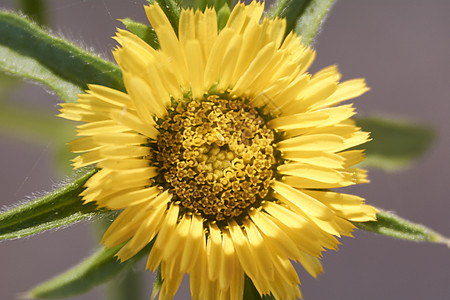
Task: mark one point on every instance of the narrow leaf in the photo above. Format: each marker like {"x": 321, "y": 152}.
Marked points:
{"x": 312, "y": 17}
{"x": 30, "y": 124}
{"x": 143, "y": 31}
{"x": 395, "y": 144}
{"x": 291, "y": 10}
{"x": 172, "y": 11}
{"x": 127, "y": 285}
{"x": 28, "y": 51}
{"x": 54, "y": 210}
{"x": 14, "y": 63}
{"x": 23, "y": 121}
{"x": 99, "y": 268}
{"x": 392, "y": 225}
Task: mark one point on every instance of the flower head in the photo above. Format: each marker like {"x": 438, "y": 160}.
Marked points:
{"x": 223, "y": 151}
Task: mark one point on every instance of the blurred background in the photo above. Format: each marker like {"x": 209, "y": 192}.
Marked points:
{"x": 401, "y": 47}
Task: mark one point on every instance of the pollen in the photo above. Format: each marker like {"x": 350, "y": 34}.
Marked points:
{"x": 216, "y": 157}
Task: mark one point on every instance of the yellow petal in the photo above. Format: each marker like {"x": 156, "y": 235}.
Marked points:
{"x": 286, "y": 245}
{"x": 83, "y": 144}
{"x": 147, "y": 103}
{"x": 316, "y": 158}
{"x": 94, "y": 128}
{"x": 352, "y": 157}
{"x": 214, "y": 252}
{"x": 346, "y": 90}
{"x": 123, "y": 164}
{"x": 196, "y": 67}
{"x": 228, "y": 265}
{"x": 311, "y": 172}
{"x": 131, "y": 198}
{"x": 319, "y": 213}
{"x": 312, "y": 142}
{"x": 259, "y": 251}
{"x": 147, "y": 230}
{"x": 242, "y": 246}
{"x": 193, "y": 244}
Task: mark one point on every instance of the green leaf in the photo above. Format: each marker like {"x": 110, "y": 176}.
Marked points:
{"x": 143, "y": 31}
{"x": 157, "y": 284}
{"x": 203, "y": 4}
{"x": 28, "y": 51}
{"x": 23, "y": 121}
{"x": 99, "y": 268}
{"x": 222, "y": 16}
{"x": 302, "y": 16}
{"x": 127, "y": 285}
{"x": 39, "y": 126}
{"x": 395, "y": 144}
{"x": 312, "y": 18}
{"x": 172, "y": 11}
{"x": 35, "y": 9}
{"x": 392, "y": 225}
{"x": 218, "y": 4}
{"x": 54, "y": 210}
{"x": 251, "y": 293}
{"x": 291, "y": 10}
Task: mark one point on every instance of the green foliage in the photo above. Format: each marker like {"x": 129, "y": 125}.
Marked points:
{"x": 172, "y": 10}
{"x": 157, "y": 284}
{"x": 28, "y": 51}
{"x": 302, "y": 16}
{"x": 392, "y": 225}
{"x": 128, "y": 284}
{"x": 291, "y": 10}
{"x": 251, "y": 293}
{"x": 99, "y": 268}
{"x": 395, "y": 144}
{"x": 203, "y": 4}
{"x": 39, "y": 126}
{"x": 311, "y": 19}
{"x": 222, "y": 16}
{"x": 143, "y": 31}
{"x": 54, "y": 210}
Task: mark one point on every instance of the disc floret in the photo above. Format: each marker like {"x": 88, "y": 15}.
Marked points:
{"x": 216, "y": 156}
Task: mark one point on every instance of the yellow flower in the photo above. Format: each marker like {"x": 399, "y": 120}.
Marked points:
{"x": 223, "y": 151}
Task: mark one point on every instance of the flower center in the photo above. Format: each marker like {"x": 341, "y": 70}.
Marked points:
{"x": 215, "y": 156}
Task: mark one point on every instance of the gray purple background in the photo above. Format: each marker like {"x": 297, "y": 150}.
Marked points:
{"x": 402, "y": 48}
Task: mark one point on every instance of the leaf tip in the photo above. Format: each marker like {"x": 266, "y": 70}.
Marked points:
{"x": 440, "y": 239}
{"x": 24, "y": 295}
